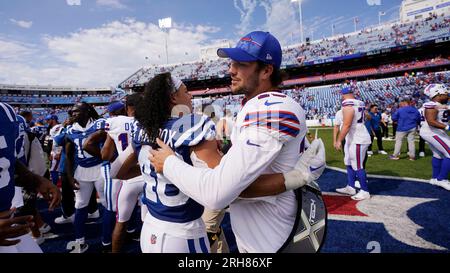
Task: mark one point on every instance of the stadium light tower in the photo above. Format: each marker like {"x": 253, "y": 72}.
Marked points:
{"x": 165, "y": 24}
{"x": 380, "y": 13}
{"x": 301, "y": 17}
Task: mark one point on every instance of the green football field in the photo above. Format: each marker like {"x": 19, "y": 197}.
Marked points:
{"x": 381, "y": 164}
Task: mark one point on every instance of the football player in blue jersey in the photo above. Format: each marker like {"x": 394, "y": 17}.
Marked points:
{"x": 30, "y": 152}
{"x": 68, "y": 195}
{"x": 20, "y": 147}
{"x": 173, "y": 222}
{"x": 40, "y": 131}
{"x": 83, "y": 169}
{"x": 28, "y": 116}
{"x": 13, "y": 230}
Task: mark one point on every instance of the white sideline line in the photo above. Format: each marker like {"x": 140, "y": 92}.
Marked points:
{"x": 382, "y": 176}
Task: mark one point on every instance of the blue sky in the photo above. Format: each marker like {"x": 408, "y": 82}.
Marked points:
{"x": 101, "y": 42}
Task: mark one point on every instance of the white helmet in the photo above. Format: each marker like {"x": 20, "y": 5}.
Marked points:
{"x": 433, "y": 90}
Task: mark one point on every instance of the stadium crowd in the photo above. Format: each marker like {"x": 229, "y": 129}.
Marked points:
{"x": 366, "y": 40}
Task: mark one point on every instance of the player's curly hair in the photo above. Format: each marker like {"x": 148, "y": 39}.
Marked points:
{"x": 153, "y": 110}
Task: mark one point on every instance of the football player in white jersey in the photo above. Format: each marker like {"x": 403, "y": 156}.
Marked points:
{"x": 434, "y": 131}
{"x": 119, "y": 141}
{"x": 55, "y": 154}
{"x": 267, "y": 139}
{"x": 357, "y": 141}
{"x": 421, "y": 140}
{"x": 337, "y": 126}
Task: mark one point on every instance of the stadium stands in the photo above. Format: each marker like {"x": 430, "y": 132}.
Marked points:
{"x": 320, "y": 51}
{"x": 324, "y": 101}
{"x": 51, "y": 99}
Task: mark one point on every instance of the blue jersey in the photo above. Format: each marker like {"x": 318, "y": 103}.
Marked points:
{"x": 162, "y": 198}
{"x": 78, "y": 135}
{"x": 9, "y": 135}
{"x": 40, "y": 132}
{"x": 60, "y": 141}
{"x": 20, "y": 144}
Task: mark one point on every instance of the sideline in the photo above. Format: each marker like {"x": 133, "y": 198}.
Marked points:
{"x": 383, "y": 176}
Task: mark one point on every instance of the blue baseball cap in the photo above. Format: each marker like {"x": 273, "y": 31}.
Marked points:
{"x": 346, "y": 90}
{"x": 50, "y": 116}
{"x": 115, "y": 106}
{"x": 255, "y": 46}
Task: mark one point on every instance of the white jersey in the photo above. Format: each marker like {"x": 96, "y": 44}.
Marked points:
{"x": 267, "y": 138}
{"x": 338, "y": 119}
{"x": 422, "y": 116}
{"x": 442, "y": 117}
{"x": 119, "y": 128}
{"x": 54, "y": 131}
{"x": 358, "y": 132}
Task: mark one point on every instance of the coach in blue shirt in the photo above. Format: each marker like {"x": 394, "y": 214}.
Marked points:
{"x": 375, "y": 129}
{"x": 408, "y": 118}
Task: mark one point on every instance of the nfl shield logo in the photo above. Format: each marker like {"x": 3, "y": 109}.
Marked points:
{"x": 153, "y": 239}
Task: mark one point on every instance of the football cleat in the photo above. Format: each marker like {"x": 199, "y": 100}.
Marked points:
{"x": 347, "y": 190}
{"x": 94, "y": 215}
{"x": 361, "y": 195}
{"x": 77, "y": 246}
{"x": 45, "y": 228}
{"x": 444, "y": 184}
{"x": 64, "y": 220}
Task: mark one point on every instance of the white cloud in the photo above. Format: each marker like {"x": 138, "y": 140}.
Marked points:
{"x": 101, "y": 56}
{"x": 73, "y": 2}
{"x": 111, "y": 3}
{"x": 373, "y": 2}
{"x": 246, "y": 9}
{"x": 20, "y": 23}
{"x": 281, "y": 18}
{"x": 12, "y": 50}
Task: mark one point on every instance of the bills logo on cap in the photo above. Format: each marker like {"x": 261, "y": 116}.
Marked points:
{"x": 248, "y": 39}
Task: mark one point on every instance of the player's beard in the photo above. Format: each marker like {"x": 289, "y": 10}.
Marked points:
{"x": 249, "y": 87}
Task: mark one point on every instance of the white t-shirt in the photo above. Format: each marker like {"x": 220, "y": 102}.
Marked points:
{"x": 385, "y": 117}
